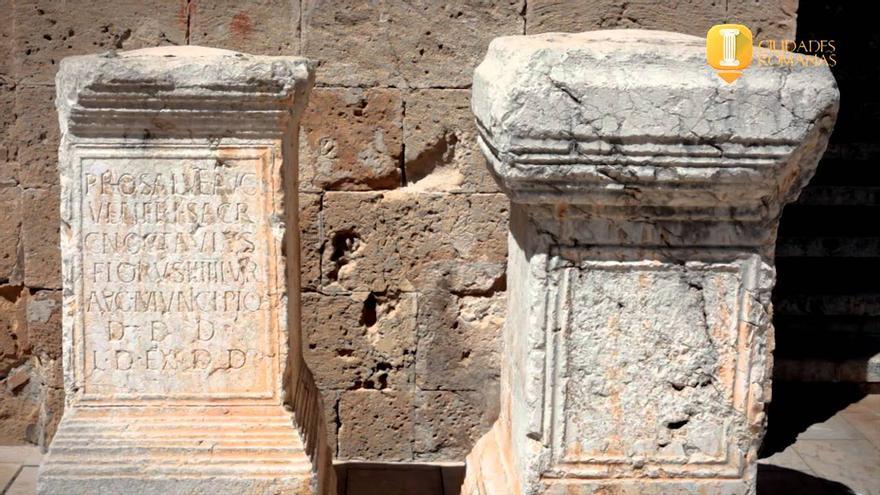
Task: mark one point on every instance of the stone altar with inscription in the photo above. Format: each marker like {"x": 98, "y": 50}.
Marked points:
{"x": 180, "y": 254}
{"x": 645, "y": 197}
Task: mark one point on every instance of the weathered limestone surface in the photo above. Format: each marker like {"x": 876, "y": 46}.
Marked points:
{"x": 767, "y": 20}
{"x": 39, "y": 232}
{"x": 37, "y": 141}
{"x": 646, "y": 194}
{"x": 182, "y": 363}
{"x": 458, "y": 340}
{"x": 46, "y": 32}
{"x": 447, "y": 423}
{"x": 263, "y": 27}
{"x": 393, "y": 241}
{"x": 310, "y": 239}
{"x": 10, "y": 232}
{"x": 441, "y": 146}
{"x": 360, "y": 340}
{"x": 377, "y": 425}
{"x": 408, "y": 308}
{"x": 413, "y": 44}
{"x": 18, "y": 408}
{"x": 351, "y": 139}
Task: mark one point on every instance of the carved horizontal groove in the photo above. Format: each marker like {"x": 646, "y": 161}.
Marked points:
{"x": 655, "y": 160}
{"x": 116, "y": 114}
{"x": 736, "y": 189}
{"x": 146, "y": 431}
{"x": 137, "y": 438}
{"x": 194, "y": 439}
{"x": 254, "y": 441}
{"x": 256, "y": 413}
{"x": 195, "y": 120}
{"x": 207, "y": 455}
{"x": 153, "y": 112}
{"x": 709, "y": 478}
{"x": 154, "y": 86}
{"x": 639, "y": 174}
{"x": 175, "y": 430}
{"x": 657, "y": 150}
{"x": 226, "y": 477}
{"x": 152, "y": 422}
{"x": 173, "y": 468}
{"x": 144, "y": 132}
{"x": 171, "y": 444}
{"x": 600, "y": 187}
{"x": 238, "y": 102}
{"x": 623, "y": 205}
{"x": 653, "y": 148}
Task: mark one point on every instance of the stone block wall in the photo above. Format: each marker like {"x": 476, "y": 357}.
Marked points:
{"x": 404, "y": 232}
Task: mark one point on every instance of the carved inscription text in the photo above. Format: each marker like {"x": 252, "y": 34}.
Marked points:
{"x": 177, "y": 293}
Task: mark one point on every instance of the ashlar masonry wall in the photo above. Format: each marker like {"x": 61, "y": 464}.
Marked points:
{"x": 404, "y": 232}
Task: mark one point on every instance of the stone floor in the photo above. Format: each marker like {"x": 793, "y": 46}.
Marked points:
{"x": 838, "y": 456}
{"x": 18, "y": 470}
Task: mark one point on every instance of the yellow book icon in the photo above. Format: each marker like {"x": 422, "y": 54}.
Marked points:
{"x": 729, "y": 50}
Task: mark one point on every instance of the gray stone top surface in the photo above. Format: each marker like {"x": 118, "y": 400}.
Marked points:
{"x": 657, "y": 84}
{"x": 561, "y": 114}
{"x": 146, "y": 91}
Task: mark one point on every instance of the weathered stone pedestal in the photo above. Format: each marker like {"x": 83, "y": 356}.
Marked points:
{"x": 646, "y": 194}
{"x": 179, "y": 236}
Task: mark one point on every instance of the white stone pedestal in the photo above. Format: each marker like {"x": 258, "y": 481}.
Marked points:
{"x": 645, "y": 195}
{"x": 181, "y": 272}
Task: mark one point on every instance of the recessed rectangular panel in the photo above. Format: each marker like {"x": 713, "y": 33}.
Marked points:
{"x": 178, "y": 269}
{"x": 647, "y": 365}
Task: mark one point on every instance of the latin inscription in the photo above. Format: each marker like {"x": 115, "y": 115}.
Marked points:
{"x": 176, "y": 289}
